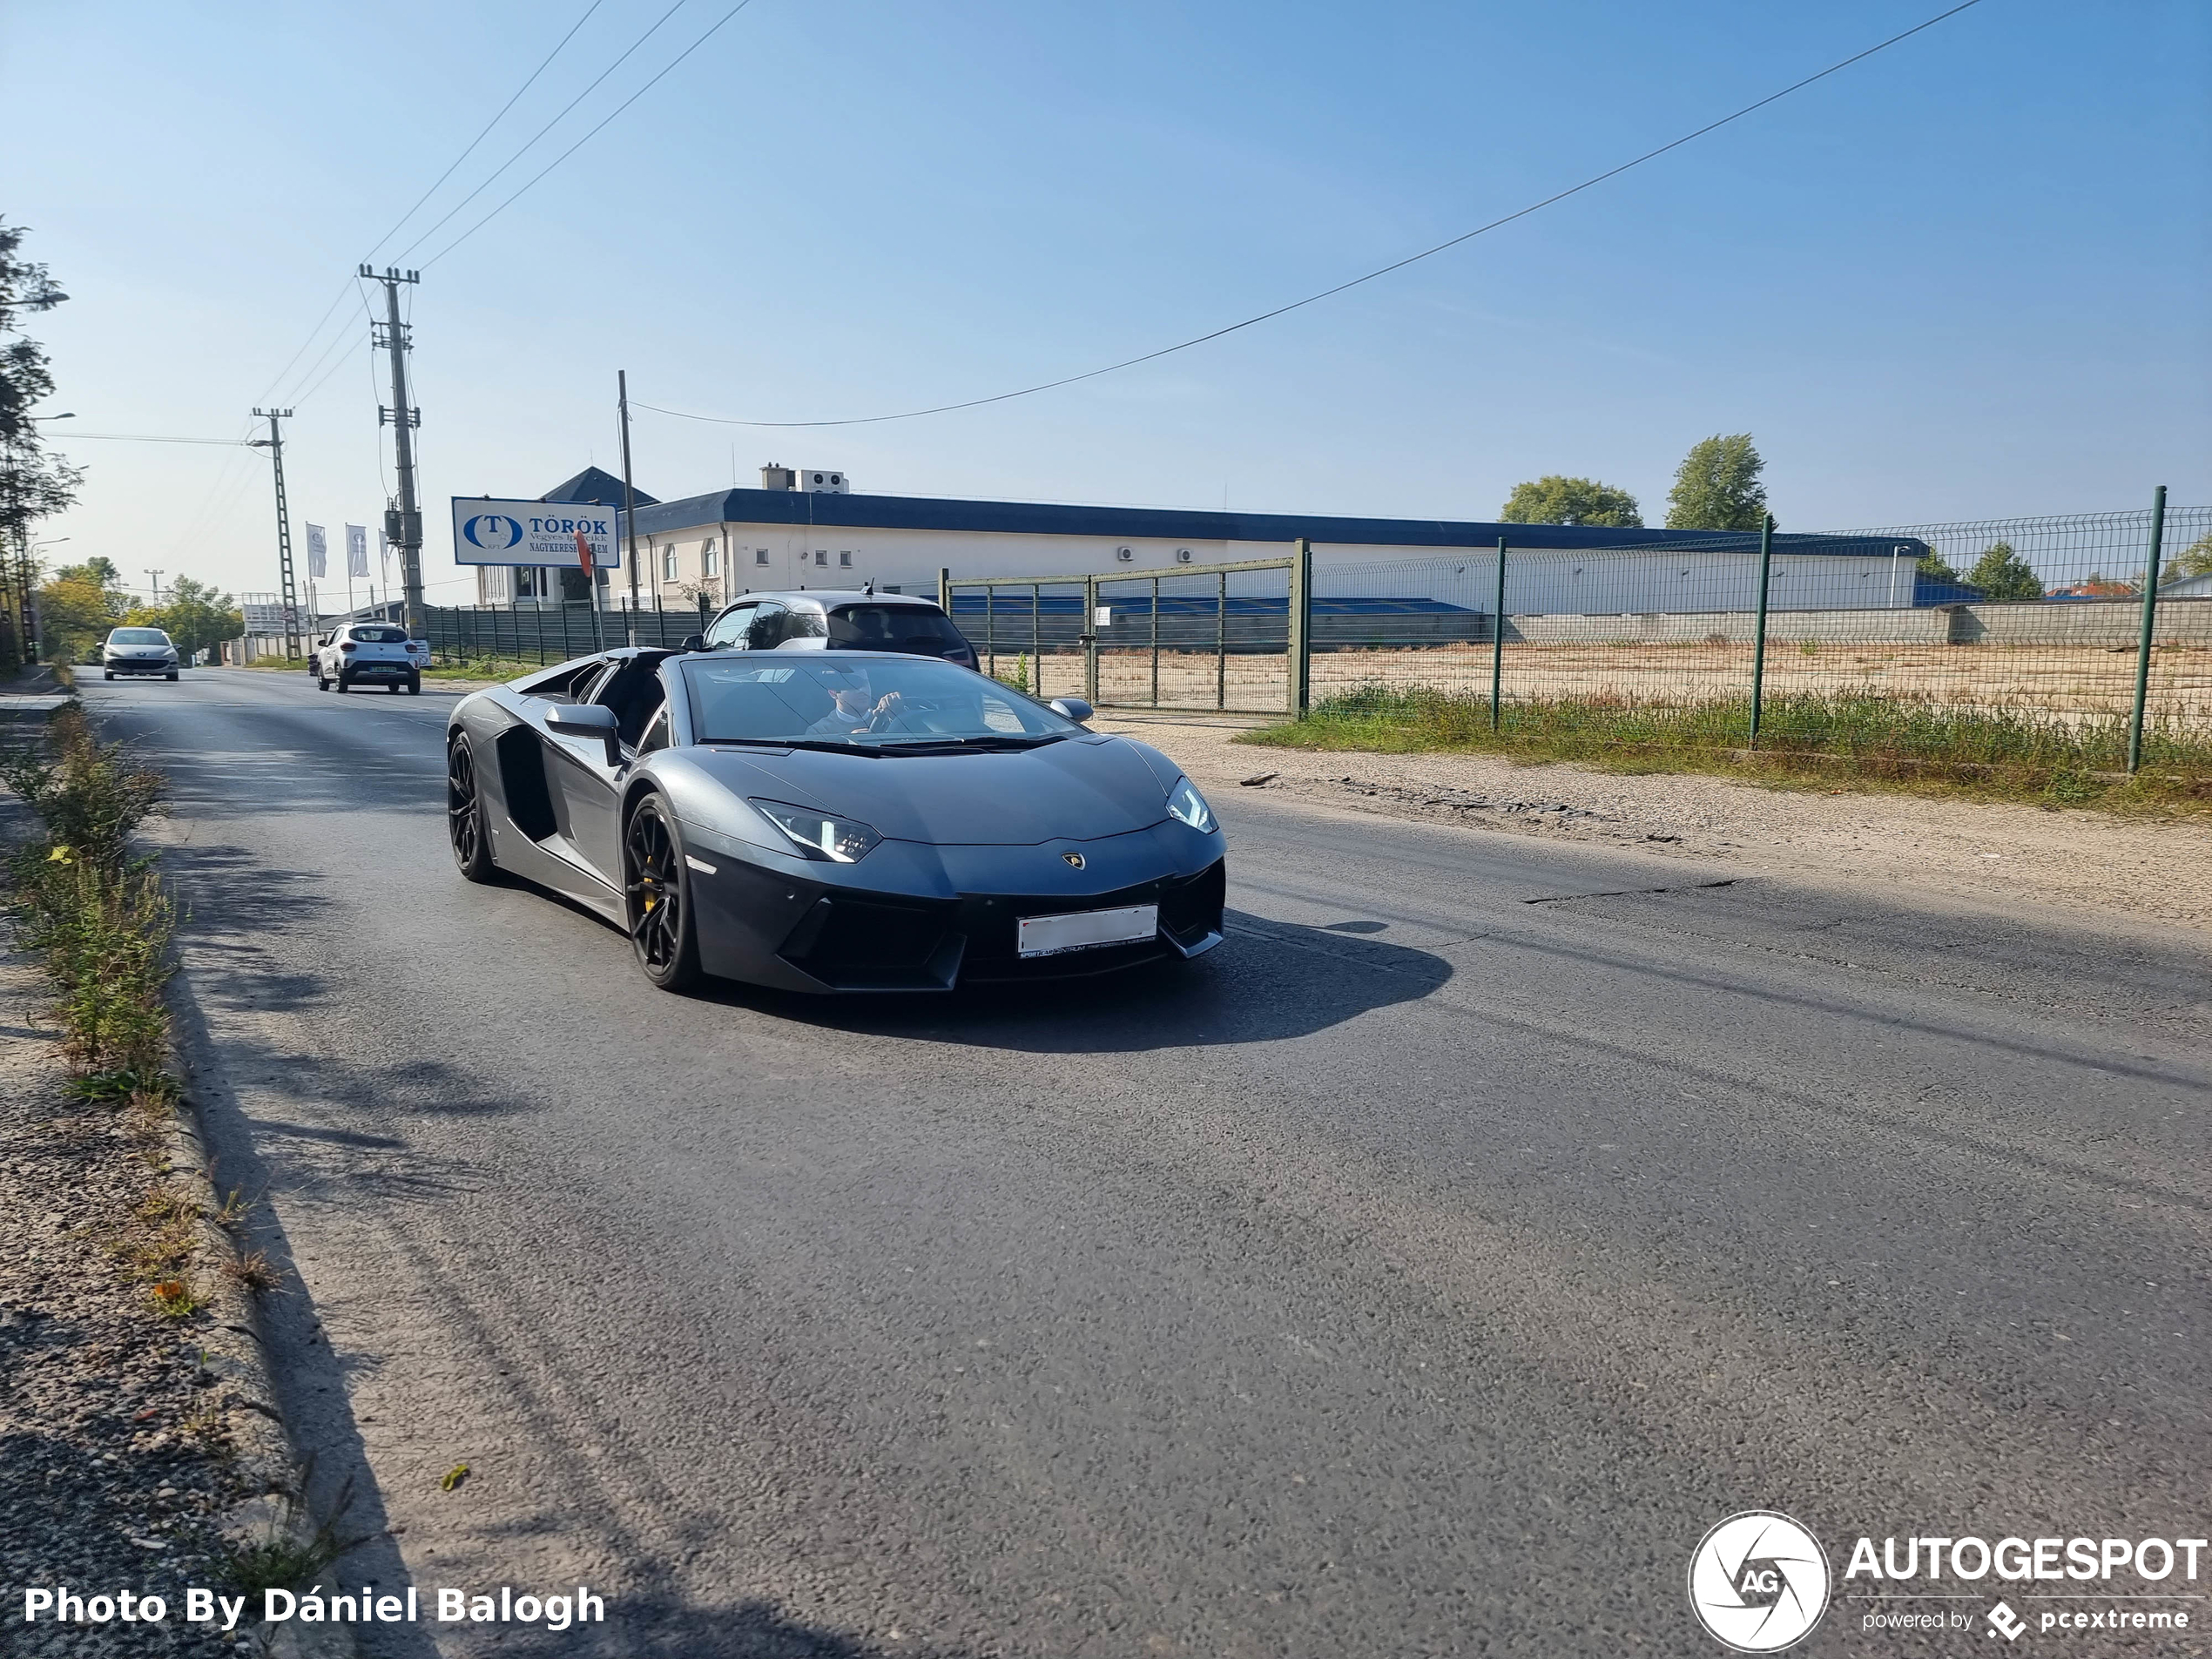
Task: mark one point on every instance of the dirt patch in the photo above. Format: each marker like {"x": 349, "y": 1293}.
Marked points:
{"x": 1993, "y": 853}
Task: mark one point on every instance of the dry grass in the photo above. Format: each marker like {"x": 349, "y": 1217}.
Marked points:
{"x": 1859, "y": 739}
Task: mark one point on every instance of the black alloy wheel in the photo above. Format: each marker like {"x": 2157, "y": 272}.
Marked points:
{"x": 658, "y": 900}
{"x": 465, "y": 815}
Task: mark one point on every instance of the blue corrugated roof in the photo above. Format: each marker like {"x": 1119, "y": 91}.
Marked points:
{"x": 826, "y": 511}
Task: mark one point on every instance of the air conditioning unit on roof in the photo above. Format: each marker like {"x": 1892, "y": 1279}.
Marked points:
{"x": 828, "y": 483}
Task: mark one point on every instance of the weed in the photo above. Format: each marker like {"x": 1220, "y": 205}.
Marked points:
{"x": 292, "y": 1548}
{"x": 236, "y": 1207}
{"x": 1018, "y": 679}
{"x": 177, "y": 1298}
{"x": 252, "y": 1271}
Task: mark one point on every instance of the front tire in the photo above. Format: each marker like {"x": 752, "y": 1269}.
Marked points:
{"x": 465, "y": 825}
{"x": 109, "y": 673}
{"x": 171, "y": 674}
{"x": 657, "y": 897}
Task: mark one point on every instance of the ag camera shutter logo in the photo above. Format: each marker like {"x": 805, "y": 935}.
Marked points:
{"x": 494, "y": 532}
{"x": 1759, "y": 1582}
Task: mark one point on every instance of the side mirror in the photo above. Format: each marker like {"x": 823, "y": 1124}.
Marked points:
{"x": 1071, "y": 708}
{"x": 693, "y": 642}
{"x": 587, "y": 720}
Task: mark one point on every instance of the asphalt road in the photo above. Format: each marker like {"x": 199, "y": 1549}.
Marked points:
{"x": 1423, "y": 1272}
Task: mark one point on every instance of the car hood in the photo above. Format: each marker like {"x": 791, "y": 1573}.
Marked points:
{"x": 1078, "y": 790}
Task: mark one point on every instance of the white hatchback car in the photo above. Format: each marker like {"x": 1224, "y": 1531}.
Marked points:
{"x": 367, "y": 653}
{"x": 138, "y": 650}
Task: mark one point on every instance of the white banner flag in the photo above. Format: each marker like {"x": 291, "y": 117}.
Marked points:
{"x": 383, "y": 558}
{"x": 318, "y": 552}
{"x": 356, "y": 549}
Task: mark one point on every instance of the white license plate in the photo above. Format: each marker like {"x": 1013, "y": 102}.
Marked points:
{"x": 1048, "y": 935}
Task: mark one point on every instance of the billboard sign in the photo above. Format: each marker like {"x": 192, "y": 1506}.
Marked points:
{"x": 487, "y": 531}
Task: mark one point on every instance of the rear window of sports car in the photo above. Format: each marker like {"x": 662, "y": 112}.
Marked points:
{"x": 877, "y": 702}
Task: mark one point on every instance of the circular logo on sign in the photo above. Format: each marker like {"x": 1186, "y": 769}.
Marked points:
{"x": 1759, "y": 1582}
{"x": 494, "y": 532}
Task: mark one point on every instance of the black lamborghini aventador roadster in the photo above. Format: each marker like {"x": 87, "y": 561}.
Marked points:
{"x": 828, "y": 820}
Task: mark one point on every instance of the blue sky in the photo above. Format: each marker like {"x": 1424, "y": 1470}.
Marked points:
{"x": 1965, "y": 277}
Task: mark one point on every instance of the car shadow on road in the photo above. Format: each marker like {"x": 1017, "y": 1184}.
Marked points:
{"x": 1267, "y": 981}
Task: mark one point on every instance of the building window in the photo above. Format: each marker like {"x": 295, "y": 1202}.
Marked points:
{"x": 821, "y": 556}
{"x": 845, "y": 561}
{"x": 710, "y": 561}
{"x": 760, "y": 556}
{"x": 668, "y": 562}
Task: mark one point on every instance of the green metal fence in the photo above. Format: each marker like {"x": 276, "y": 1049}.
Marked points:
{"x": 2047, "y": 622}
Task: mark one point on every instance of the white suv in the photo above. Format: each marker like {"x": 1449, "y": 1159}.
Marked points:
{"x": 367, "y": 653}
{"x": 138, "y": 650}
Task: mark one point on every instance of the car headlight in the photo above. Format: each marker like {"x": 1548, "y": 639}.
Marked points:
{"x": 821, "y": 835}
{"x": 1186, "y": 804}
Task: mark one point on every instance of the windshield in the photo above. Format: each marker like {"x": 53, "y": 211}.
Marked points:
{"x": 137, "y": 636}
{"x": 884, "y": 703}
{"x": 916, "y": 628}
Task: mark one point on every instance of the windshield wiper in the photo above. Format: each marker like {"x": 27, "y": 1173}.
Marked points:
{"x": 828, "y": 745}
{"x": 997, "y": 741}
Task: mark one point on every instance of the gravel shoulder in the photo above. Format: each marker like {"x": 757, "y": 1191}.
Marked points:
{"x": 1993, "y": 854}
{"x": 116, "y": 1463}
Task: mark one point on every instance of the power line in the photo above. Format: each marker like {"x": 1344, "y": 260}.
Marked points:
{"x": 587, "y": 138}
{"x": 329, "y": 310}
{"x": 547, "y": 128}
{"x": 140, "y": 437}
{"x": 486, "y": 133}
{"x": 1329, "y": 292}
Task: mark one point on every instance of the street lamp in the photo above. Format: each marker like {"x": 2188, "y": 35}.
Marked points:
{"x": 66, "y": 414}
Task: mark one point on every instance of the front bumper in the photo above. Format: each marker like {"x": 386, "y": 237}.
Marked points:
{"x": 138, "y": 665}
{"x": 947, "y": 917}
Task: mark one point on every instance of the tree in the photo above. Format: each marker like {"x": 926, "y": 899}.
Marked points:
{"x": 196, "y": 617}
{"x": 1555, "y": 499}
{"x": 73, "y": 616}
{"x": 2002, "y": 574}
{"x": 2197, "y": 559}
{"x": 1932, "y": 565}
{"x": 1718, "y": 487}
{"x": 32, "y": 483}
{"x": 99, "y": 570}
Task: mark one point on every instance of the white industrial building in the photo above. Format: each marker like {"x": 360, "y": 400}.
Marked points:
{"x": 809, "y": 528}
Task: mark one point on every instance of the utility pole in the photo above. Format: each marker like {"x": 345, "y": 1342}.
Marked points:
{"x": 156, "y": 576}
{"x": 630, "y": 500}
{"x": 289, "y": 596}
{"x": 402, "y": 523}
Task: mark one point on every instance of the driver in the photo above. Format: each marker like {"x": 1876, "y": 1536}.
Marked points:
{"x": 853, "y": 708}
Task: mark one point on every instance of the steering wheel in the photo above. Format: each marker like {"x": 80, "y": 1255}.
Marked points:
{"x": 879, "y": 720}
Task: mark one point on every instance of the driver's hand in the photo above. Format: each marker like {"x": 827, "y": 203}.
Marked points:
{"x": 890, "y": 703}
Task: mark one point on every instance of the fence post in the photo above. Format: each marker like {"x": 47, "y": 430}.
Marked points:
{"x": 2150, "y": 613}
{"x": 1498, "y": 641}
{"x": 945, "y": 589}
{"x": 1221, "y": 646}
{"x": 1155, "y": 641}
{"x": 1300, "y": 642}
{"x": 1036, "y": 640}
{"x": 1758, "y": 643}
{"x": 991, "y": 628}
{"x": 1090, "y": 639}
